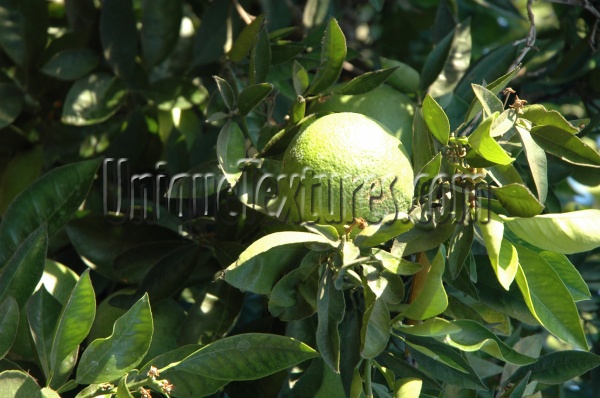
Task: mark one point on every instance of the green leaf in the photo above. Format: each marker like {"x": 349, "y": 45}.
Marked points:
{"x": 161, "y": 20}
{"x": 501, "y": 252}
{"x": 432, "y": 327}
{"x": 375, "y": 332}
{"x": 333, "y": 54}
{"x": 43, "y": 312}
{"x": 119, "y": 36}
{"x": 18, "y": 384}
{"x": 390, "y": 226}
{"x": 396, "y": 265}
{"x": 487, "y": 147}
{"x": 566, "y": 233}
{"x": 444, "y": 360}
{"x": 399, "y": 366}
{"x": 260, "y": 58}
{"x": 436, "y": 120}
{"x": 518, "y": 200}
{"x": 231, "y": 150}
{"x": 432, "y": 299}
{"x": 226, "y": 92}
{"x": 568, "y": 274}
{"x": 24, "y": 268}
{"x": 495, "y": 87}
{"x": 93, "y": 99}
{"x": 554, "y": 308}
{"x": 299, "y": 78}
{"x": 188, "y": 385}
{"x": 459, "y": 248}
{"x": 74, "y": 324}
{"x": 559, "y": 367}
{"x": 8, "y": 324}
{"x": 540, "y": 116}
{"x": 251, "y": 96}
{"x": 404, "y": 78}
{"x": 123, "y": 391}
{"x": 537, "y": 161}
{"x": 366, "y": 82}
{"x": 266, "y": 260}
{"x": 330, "y": 312}
{"x": 408, "y": 387}
{"x": 244, "y": 42}
{"x": 315, "y": 12}
{"x": 476, "y": 337}
{"x": 489, "y": 100}
{"x": 246, "y": 357}
{"x": 108, "y": 358}
{"x": 12, "y": 103}
{"x": 71, "y": 64}
{"x": 50, "y": 200}
{"x": 565, "y": 146}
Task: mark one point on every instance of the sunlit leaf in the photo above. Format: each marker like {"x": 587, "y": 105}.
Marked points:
{"x": 432, "y": 299}
{"x": 333, "y": 54}
{"x": 436, "y": 120}
{"x": 487, "y": 147}
{"x": 518, "y": 200}
{"x": 540, "y": 116}
{"x": 93, "y": 99}
{"x": 246, "y": 39}
{"x": 565, "y": 146}
{"x": 537, "y": 161}
{"x": 231, "y": 150}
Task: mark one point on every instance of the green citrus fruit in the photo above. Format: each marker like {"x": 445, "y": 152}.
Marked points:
{"x": 384, "y": 104}
{"x": 345, "y": 166}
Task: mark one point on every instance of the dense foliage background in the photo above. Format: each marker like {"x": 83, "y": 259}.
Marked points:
{"x": 176, "y": 86}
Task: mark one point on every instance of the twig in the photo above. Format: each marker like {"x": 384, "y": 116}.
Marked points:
{"x": 243, "y": 14}
{"x": 529, "y": 40}
{"x": 587, "y": 5}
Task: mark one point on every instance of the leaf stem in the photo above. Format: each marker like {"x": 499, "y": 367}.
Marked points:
{"x": 368, "y": 386}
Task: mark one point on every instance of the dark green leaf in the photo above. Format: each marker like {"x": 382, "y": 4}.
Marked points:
{"x": 213, "y": 314}
{"x": 375, "y": 331}
{"x": 11, "y": 105}
{"x": 566, "y": 146}
{"x": 73, "y": 325}
{"x": 251, "y": 96}
{"x": 246, "y": 357}
{"x": 436, "y": 119}
{"x": 299, "y": 78}
{"x": 123, "y": 391}
{"x": 426, "y": 176}
{"x": 50, "y": 200}
{"x": 245, "y": 41}
{"x": 554, "y": 308}
{"x": 401, "y": 367}
{"x": 71, "y": 64}
{"x": 537, "y": 161}
{"x": 434, "y": 64}
{"x": 8, "y": 324}
{"x": 333, "y": 54}
{"x": 423, "y": 149}
{"x": 559, "y": 367}
{"x": 23, "y": 30}
{"x": 226, "y": 92}
{"x": 330, "y": 312}
{"x": 540, "y": 116}
{"x": 260, "y": 58}
{"x": 93, "y": 99}
{"x": 266, "y": 260}
{"x": 106, "y": 359}
{"x": 119, "y": 36}
{"x": 487, "y": 147}
{"x": 161, "y": 20}
{"x": 457, "y": 61}
{"x": 459, "y": 247}
{"x": 231, "y": 150}
{"x": 366, "y": 82}
{"x": 24, "y": 268}
{"x": 390, "y": 226}
{"x": 43, "y": 312}
{"x": 377, "y": 4}
{"x": 518, "y": 200}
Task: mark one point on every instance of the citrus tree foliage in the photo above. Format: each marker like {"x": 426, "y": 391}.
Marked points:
{"x": 137, "y": 257}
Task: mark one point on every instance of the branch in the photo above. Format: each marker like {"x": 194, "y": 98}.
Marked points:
{"x": 529, "y": 40}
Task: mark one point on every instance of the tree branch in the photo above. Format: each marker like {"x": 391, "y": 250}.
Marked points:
{"x": 529, "y": 40}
